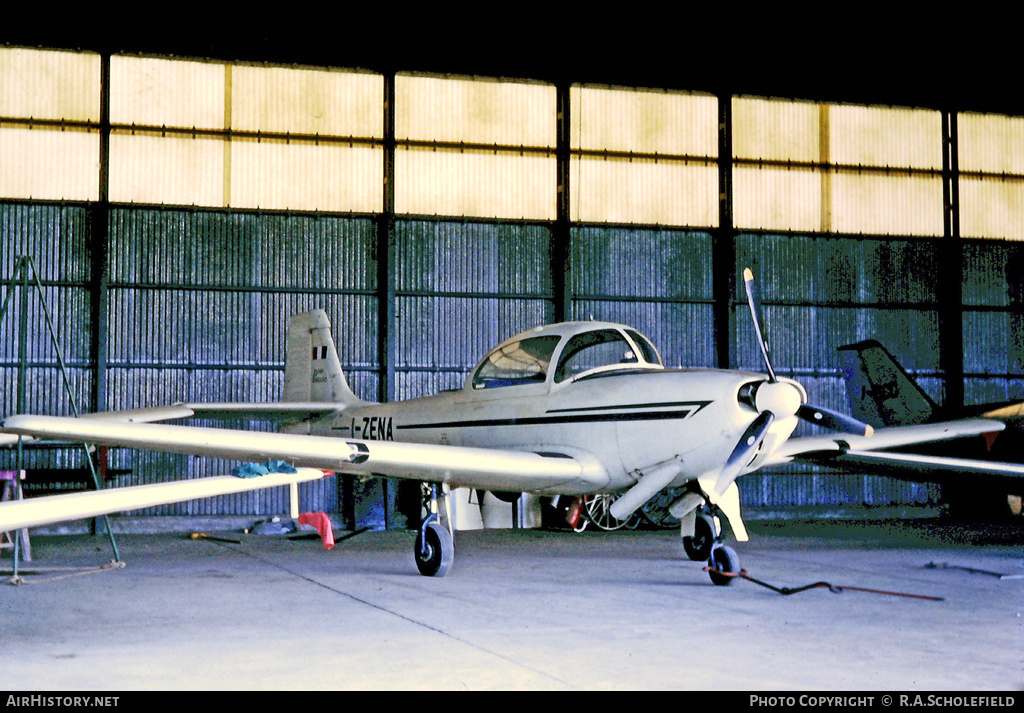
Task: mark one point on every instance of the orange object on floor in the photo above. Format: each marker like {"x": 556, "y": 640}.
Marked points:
{"x": 322, "y": 523}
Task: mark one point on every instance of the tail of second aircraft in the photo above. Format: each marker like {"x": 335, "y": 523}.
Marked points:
{"x": 881, "y": 392}
{"x": 312, "y": 370}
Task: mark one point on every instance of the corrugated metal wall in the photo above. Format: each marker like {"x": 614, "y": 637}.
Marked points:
{"x": 820, "y": 293}
{"x": 57, "y": 238}
{"x": 993, "y": 321}
{"x": 658, "y": 280}
{"x": 198, "y": 297}
{"x": 199, "y": 302}
{"x": 460, "y": 288}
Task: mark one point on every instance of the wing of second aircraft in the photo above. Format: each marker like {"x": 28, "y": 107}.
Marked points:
{"x": 871, "y": 453}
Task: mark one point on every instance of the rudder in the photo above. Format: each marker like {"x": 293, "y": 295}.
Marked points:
{"x": 312, "y": 370}
{"x": 881, "y": 393}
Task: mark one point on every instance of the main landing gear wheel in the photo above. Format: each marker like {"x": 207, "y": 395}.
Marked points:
{"x": 698, "y": 547}
{"x": 725, "y": 560}
{"x": 434, "y": 550}
{"x": 597, "y": 509}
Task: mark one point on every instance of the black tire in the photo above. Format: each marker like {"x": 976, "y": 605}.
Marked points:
{"x": 725, "y": 560}
{"x": 436, "y": 558}
{"x": 698, "y": 547}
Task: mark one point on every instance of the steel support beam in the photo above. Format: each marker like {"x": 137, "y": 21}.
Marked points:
{"x": 950, "y": 278}
{"x": 98, "y": 240}
{"x": 723, "y": 257}
{"x": 384, "y": 254}
{"x": 561, "y": 234}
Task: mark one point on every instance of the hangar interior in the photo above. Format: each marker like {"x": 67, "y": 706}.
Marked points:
{"x": 178, "y": 209}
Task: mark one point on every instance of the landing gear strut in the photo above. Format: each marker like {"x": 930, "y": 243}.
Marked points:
{"x": 706, "y": 534}
{"x": 706, "y": 544}
{"x": 435, "y": 547}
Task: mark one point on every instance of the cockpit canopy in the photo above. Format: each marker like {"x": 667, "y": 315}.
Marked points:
{"x": 577, "y": 349}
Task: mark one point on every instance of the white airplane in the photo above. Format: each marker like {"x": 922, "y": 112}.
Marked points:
{"x": 562, "y": 410}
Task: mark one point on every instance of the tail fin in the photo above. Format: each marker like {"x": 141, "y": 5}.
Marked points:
{"x": 881, "y": 393}
{"x": 312, "y": 370}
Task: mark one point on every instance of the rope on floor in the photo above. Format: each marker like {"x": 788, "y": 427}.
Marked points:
{"x": 69, "y": 572}
{"x": 818, "y": 585}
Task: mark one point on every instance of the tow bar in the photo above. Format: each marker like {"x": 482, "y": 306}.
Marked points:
{"x": 786, "y": 591}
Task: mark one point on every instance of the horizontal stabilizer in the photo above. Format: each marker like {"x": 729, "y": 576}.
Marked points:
{"x": 284, "y": 413}
{"x": 32, "y": 512}
{"x": 274, "y": 412}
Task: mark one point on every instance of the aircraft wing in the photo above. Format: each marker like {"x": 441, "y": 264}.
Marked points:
{"x": 870, "y": 453}
{"x": 32, "y": 512}
{"x": 882, "y": 438}
{"x": 922, "y": 468}
{"x": 890, "y": 436}
{"x": 484, "y": 468}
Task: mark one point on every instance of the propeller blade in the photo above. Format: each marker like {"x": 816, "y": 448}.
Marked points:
{"x": 744, "y": 451}
{"x": 818, "y": 415}
{"x": 755, "y": 313}
{"x": 833, "y": 420}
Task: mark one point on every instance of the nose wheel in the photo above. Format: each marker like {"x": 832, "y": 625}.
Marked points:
{"x": 723, "y": 563}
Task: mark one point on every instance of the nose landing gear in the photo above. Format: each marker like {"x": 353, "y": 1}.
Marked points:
{"x": 705, "y": 544}
{"x": 706, "y": 534}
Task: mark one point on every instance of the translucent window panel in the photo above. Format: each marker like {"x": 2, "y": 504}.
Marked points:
{"x": 991, "y": 208}
{"x": 680, "y": 124}
{"x": 162, "y": 92}
{"x": 49, "y": 165}
{"x": 173, "y": 171}
{"x": 483, "y": 184}
{"x": 643, "y": 191}
{"x": 991, "y": 143}
{"x": 307, "y": 101}
{"x": 843, "y": 135}
{"x": 301, "y": 176}
{"x": 777, "y": 199}
{"x": 44, "y": 84}
{"x": 885, "y": 136}
{"x": 776, "y": 130}
{"x": 881, "y": 204}
{"x": 474, "y": 111}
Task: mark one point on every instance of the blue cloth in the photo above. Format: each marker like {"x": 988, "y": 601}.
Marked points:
{"x": 254, "y": 470}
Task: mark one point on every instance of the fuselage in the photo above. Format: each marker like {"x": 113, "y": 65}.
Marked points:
{"x": 626, "y": 415}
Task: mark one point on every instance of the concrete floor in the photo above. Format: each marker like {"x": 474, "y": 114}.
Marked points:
{"x": 523, "y": 609}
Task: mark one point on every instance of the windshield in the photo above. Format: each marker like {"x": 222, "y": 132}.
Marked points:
{"x": 647, "y": 350}
{"x": 591, "y": 350}
{"x": 521, "y": 362}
